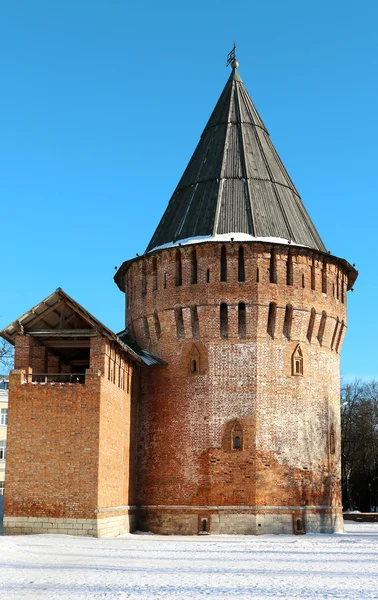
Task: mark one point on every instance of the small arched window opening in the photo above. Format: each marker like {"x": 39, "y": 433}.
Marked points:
{"x": 297, "y": 361}
{"x": 157, "y": 324}
{"x": 257, "y": 275}
{"x": 223, "y": 320}
{"x": 310, "y": 329}
{"x": 288, "y": 321}
{"x": 241, "y": 270}
{"x": 194, "y": 361}
{"x": 194, "y": 320}
{"x": 237, "y": 437}
{"x": 324, "y": 277}
{"x": 193, "y": 365}
{"x": 223, "y": 265}
{"x": 154, "y": 273}
{"x": 242, "y": 324}
{"x": 194, "y": 265}
{"x": 179, "y": 323}
{"x": 207, "y": 275}
{"x": 303, "y": 280}
{"x": 165, "y": 280}
{"x": 332, "y": 441}
{"x": 204, "y": 525}
{"x": 289, "y": 268}
{"x": 273, "y": 267}
{"x": 299, "y": 525}
{"x": 178, "y": 268}
{"x": 272, "y": 319}
{"x": 313, "y": 274}
{"x": 335, "y": 333}
{"x": 322, "y": 327}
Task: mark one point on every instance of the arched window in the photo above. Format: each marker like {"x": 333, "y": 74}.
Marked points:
{"x": 154, "y": 273}
{"x": 193, "y": 365}
{"x": 303, "y": 280}
{"x": 204, "y": 525}
{"x": 273, "y": 267}
{"x": 237, "y": 437}
{"x": 178, "y": 268}
{"x": 194, "y": 361}
{"x": 179, "y": 323}
{"x": 332, "y": 441}
{"x": 272, "y": 319}
{"x": 297, "y": 361}
{"x": 194, "y": 265}
{"x": 288, "y": 321}
{"x": 241, "y": 272}
{"x": 241, "y": 320}
{"x": 289, "y": 268}
{"x": 299, "y": 525}
{"x": 194, "y": 320}
{"x": 207, "y": 275}
{"x": 157, "y": 324}
{"x": 310, "y": 329}
{"x": 223, "y": 264}
{"x": 223, "y": 320}
{"x": 322, "y": 327}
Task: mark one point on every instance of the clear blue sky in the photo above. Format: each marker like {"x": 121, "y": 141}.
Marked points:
{"x": 103, "y": 103}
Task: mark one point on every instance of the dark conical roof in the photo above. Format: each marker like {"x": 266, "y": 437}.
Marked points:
{"x": 235, "y": 183}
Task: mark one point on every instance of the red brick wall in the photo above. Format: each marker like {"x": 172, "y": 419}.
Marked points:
{"x": 285, "y": 459}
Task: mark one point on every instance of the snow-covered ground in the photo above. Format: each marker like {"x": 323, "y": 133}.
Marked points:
{"x": 216, "y": 567}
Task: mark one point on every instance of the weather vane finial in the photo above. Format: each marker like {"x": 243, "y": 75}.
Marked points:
{"x": 231, "y": 58}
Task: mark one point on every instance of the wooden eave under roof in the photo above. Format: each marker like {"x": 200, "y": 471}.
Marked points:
{"x": 60, "y": 316}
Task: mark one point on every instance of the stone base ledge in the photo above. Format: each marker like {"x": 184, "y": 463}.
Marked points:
{"x": 101, "y": 527}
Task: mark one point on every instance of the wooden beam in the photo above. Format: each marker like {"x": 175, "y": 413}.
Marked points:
{"x": 63, "y": 333}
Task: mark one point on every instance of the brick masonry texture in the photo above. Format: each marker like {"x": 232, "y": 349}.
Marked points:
{"x": 185, "y": 453}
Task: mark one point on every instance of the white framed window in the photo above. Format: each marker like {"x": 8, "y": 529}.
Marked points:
{"x": 2, "y": 486}
{"x": 3, "y": 447}
{"x": 4, "y": 416}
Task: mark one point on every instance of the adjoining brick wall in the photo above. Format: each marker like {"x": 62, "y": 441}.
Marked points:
{"x": 184, "y": 456}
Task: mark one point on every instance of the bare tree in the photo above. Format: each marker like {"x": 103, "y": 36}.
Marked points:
{"x": 359, "y": 445}
{"x": 6, "y": 355}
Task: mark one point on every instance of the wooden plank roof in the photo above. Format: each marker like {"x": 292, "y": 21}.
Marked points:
{"x": 235, "y": 182}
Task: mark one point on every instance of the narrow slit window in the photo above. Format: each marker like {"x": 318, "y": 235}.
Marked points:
{"x": 339, "y": 337}
{"x": 237, "y": 437}
{"x": 297, "y": 361}
{"x": 299, "y": 525}
{"x": 289, "y": 268}
{"x": 337, "y": 287}
{"x": 194, "y": 265}
{"x": 310, "y": 329}
{"x": 154, "y": 273}
{"x": 223, "y": 265}
{"x": 335, "y": 333}
{"x": 342, "y": 291}
{"x": 165, "y": 280}
{"x": 223, "y": 320}
{"x": 179, "y": 322}
{"x": 324, "y": 277}
{"x": 257, "y": 275}
{"x": 208, "y": 276}
{"x": 242, "y": 320}
{"x": 303, "y": 280}
{"x": 178, "y": 268}
{"x": 313, "y": 275}
{"x": 193, "y": 365}
{"x": 241, "y": 271}
{"x": 273, "y": 267}
{"x": 157, "y": 324}
{"x": 272, "y": 319}
{"x": 332, "y": 443}
{"x": 288, "y": 321}
{"x": 322, "y": 327}
{"x": 194, "y": 319}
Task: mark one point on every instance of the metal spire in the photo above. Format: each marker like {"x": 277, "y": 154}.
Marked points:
{"x": 231, "y": 58}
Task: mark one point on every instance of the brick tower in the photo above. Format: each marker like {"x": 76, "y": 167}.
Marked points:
{"x": 240, "y": 431}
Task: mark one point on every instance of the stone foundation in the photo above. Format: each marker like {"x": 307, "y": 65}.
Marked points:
{"x": 103, "y": 526}
{"x": 239, "y": 520}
